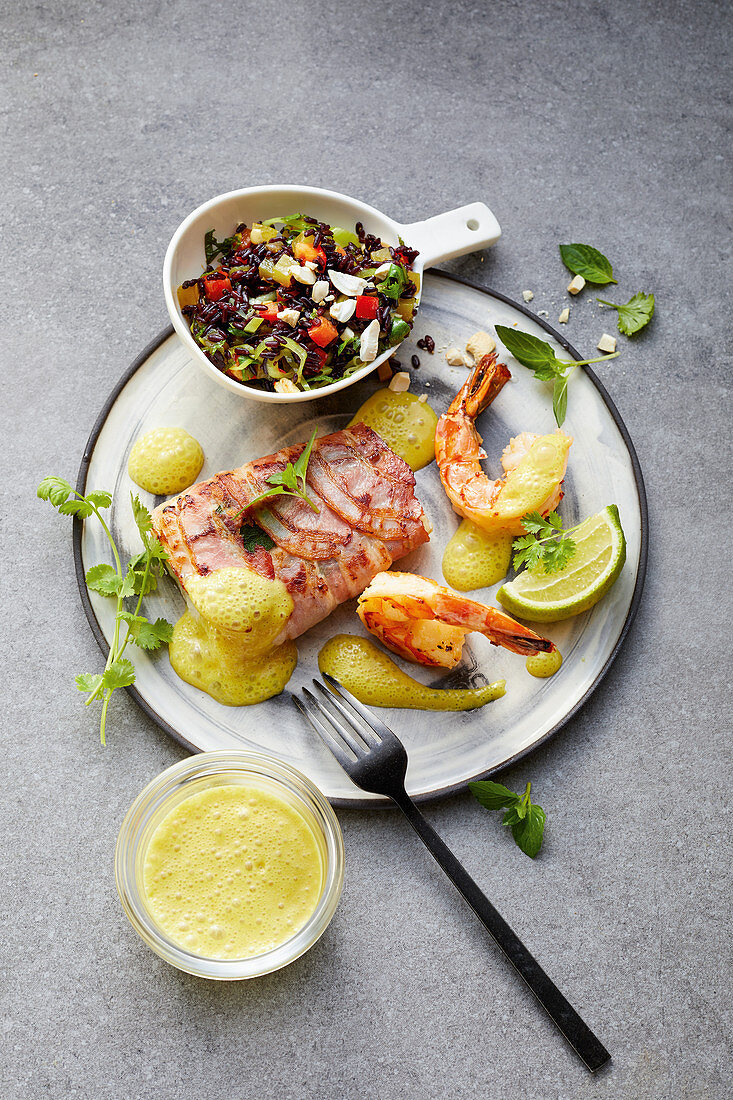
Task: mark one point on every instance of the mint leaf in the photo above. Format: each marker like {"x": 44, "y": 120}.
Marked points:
{"x": 560, "y": 400}
{"x": 637, "y": 312}
{"x": 528, "y": 833}
{"x": 254, "y": 537}
{"x": 492, "y": 795}
{"x": 301, "y": 465}
{"x": 530, "y": 351}
{"x": 527, "y": 822}
{"x": 583, "y": 259}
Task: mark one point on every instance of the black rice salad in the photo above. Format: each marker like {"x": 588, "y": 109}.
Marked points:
{"x": 294, "y": 304}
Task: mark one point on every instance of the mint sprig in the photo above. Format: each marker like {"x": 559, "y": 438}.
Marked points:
{"x": 288, "y": 482}
{"x": 526, "y": 820}
{"x": 138, "y": 579}
{"x": 540, "y": 357}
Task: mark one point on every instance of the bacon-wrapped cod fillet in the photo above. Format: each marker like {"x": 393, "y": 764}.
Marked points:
{"x": 368, "y": 516}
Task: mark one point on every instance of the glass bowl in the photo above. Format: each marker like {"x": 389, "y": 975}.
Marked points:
{"x": 179, "y": 782}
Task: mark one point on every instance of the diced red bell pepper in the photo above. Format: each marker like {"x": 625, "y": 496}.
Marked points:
{"x": 323, "y": 332}
{"x": 268, "y": 311}
{"x": 216, "y": 286}
{"x": 367, "y": 306}
{"x": 306, "y": 250}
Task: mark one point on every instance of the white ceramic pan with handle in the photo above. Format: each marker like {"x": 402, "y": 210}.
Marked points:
{"x": 455, "y": 233}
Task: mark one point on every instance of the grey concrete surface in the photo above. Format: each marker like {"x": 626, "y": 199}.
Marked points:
{"x": 574, "y": 121}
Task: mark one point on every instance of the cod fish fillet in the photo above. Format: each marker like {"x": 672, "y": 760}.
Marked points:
{"x": 368, "y": 516}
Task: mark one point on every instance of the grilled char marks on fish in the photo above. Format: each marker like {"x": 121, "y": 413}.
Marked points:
{"x": 368, "y": 516}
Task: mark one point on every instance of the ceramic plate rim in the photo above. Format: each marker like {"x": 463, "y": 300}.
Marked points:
{"x": 440, "y": 792}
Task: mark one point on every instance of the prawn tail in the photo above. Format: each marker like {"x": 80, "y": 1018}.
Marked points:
{"x": 484, "y": 384}
{"x": 500, "y": 628}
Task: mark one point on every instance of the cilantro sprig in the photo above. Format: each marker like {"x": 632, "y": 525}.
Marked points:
{"x": 139, "y": 578}
{"x": 525, "y": 819}
{"x": 635, "y": 315}
{"x": 290, "y": 481}
{"x": 546, "y": 546}
{"x": 540, "y": 357}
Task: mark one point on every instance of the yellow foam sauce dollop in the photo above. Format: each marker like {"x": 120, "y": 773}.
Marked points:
{"x": 375, "y": 679}
{"x": 406, "y": 424}
{"x": 475, "y": 558}
{"x": 238, "y": 600}
{"x": 543, "y": 665}
{"x": 530, "y": 483}
{"x": 165, "y": 460}
{"x": 232, "y": 871}
{"x": 224, "y": 645}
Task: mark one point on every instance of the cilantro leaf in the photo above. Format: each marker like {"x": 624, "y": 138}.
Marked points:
{"x": 104, "y": 579}
{"x": 121, "y": 673}
{"x": 637, "y": 312}
{"x": 100, "y": 497}
{"x": 492, "y": 795}
{"x": 145, "y": 634}
{"x": 526, "y": 821}
{"x": 88, "y": 681}
{"x": 55, "y": 490}
{"x": 141, "y": 577}
{"x": 142, "y": 517}
{"x": 583, "y": 259}
{"x": 546, "y": 546}
{"x": 253, "y": 537}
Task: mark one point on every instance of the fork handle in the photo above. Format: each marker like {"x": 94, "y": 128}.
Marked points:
{"x": 575, "y": 1030}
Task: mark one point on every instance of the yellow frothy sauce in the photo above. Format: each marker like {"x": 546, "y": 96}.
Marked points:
{"x": 165, "y": 460}
{"x": 233, "y": 871}
{"x": 376, "y": 680}
{"x": 224, "y": 645}
{"x": 476, "y": 559}
{"x": 543, "y": 665}
{"x": 406, "y": 424}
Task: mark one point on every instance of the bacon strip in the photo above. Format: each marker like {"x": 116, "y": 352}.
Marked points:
{"x": 368, "y": 516}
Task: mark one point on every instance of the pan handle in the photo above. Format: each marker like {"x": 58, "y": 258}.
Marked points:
{"x": 452, "y": 234}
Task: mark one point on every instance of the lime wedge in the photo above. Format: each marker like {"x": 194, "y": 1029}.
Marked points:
{"x": 598, "y": 559}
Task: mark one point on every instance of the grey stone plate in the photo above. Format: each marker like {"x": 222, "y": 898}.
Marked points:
{"x": 164, "y": 387}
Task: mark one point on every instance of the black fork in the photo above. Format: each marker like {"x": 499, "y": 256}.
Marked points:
{"x": 375, "y": 759}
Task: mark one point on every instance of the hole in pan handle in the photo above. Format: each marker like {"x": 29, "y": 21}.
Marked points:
{"x": 455, "y": 233}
